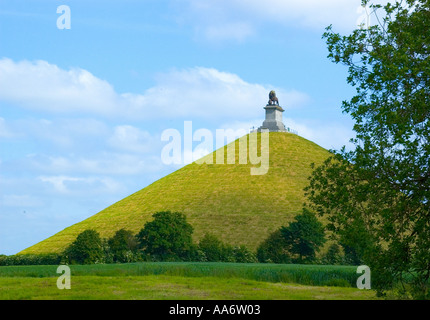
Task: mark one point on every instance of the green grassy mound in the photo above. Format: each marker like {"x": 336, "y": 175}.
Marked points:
{"x": 223, "y": 199}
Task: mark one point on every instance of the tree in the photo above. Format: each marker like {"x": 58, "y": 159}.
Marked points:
{"x": 122, "y": 245}
{"x": 274, "y": 249}
{"x": 215, "y": 250}
{"x": 333, "y": 255}
{"x": 376, "y": 196}
{"x": 304, "y": 236}
{"x": 86, "y": 249}
{"x": 243, "y": 255}
{"x": 167, "y": 237}
{"x": 212, "y": 248}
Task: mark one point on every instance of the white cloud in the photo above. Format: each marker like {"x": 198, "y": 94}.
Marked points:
{"x": 236, "y": 31}
{"x": 62, "y": 133}
{"x": 327, "y": 135}
{"x": 198, "y": 92}
{"x": 66, "y": 184}
{"x": 311, "y": 14}
{"x": 58, "y": 182}
{"x": 103, "y": 163}
{"x": 129, "y": 138}
{"x": 43, "y": 86}
{"x": 306, "y": 13}
{"x": 211, "y": 94}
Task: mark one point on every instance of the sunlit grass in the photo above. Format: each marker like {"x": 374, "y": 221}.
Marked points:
{"x": 315, "y": 275}
{"x": 163, "y": 287}
{"x": 223, "y": 199}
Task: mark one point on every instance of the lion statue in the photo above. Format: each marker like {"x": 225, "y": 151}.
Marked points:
{"x": 273, "y": 100}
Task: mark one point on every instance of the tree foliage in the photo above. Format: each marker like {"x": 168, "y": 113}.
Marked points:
{"x": 274, "y": 249}
{"x": 122, "y": 246}
{"x": 86, "y": 249}
{"x": 167, "y": 237}
{"x": 334, "y": 255}
{"x": 212, "y": 248}
{"x": 296, "y": 243}
{"x": 304, "y": 236}
{"x": 376, "y": 196}
{"x": 242, "y": 254}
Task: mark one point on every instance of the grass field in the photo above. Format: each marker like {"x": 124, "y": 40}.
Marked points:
{"x": 184, "y": 281}
{"x": 169, "y": 287}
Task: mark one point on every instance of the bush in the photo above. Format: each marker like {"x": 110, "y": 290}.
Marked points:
{"x": 212, "y": 248}
{"x": 304, "y": 236}
{"x": 122, "y": 247}
{"x": 30, "y": 259}
{"x": 352, "y": 257}
{"x": 227, "y": 254}
{"x": 244, "y": 255}
{"x": 273, "y": 249}
{"x": 86, "y": 249}
{"x": 167, "y": 238}
{"x": 334, "y": 255}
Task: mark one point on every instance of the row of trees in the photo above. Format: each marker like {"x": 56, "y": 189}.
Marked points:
{"x": 301, "y": 241}
{"x": 168, "y": 237}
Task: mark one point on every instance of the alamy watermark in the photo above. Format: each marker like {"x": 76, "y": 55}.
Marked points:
{"x": 179, "y": 150}
{"x": 64, "y": 281}
{"x": 64, "y": 21}
{"x": 364, "y": 281}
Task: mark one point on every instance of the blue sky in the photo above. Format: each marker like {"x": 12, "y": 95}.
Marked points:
{"x": 82, "y": 109}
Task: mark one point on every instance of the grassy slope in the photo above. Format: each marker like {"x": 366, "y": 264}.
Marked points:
{"x": 223, "y": 199}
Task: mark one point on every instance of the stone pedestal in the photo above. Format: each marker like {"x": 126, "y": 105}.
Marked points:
{"x": 273, "y": 120}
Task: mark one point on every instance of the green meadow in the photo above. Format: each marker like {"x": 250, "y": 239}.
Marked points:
{"x": 164, "y": 280}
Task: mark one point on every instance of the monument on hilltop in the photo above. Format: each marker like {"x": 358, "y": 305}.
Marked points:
{"x": 273, "y": 121}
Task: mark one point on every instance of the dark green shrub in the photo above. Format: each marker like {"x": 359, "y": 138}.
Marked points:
{"x": 304, "y": 236}
{"x": 227, "y": 253}
{"x": 123, "y": 246}
{"x": 167, "y": 238}
{"x": 215, "y": 250}
{"x": 199, "y": 256}
{"x": 108, "y": 256}
{"x": 86, "y": 249}
{"x": 211, "y": 247}
{"x": 30, "y": 259}
{"x": 352, "y": 257}
{"x": 333, "y": 255}
{"x": 273, "y": 249}
{"x": 244, "y": 255}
